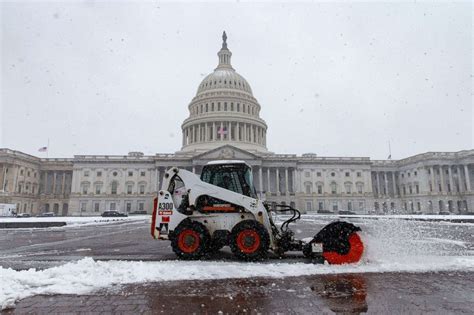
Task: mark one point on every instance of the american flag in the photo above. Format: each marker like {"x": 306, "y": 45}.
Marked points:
{"x": 43, "y": 149}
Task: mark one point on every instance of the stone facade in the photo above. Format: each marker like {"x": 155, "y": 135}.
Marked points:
{"x": 224, "y": 123}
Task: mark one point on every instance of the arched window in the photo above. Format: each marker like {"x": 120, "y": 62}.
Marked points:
{"x": 333, "y": 188}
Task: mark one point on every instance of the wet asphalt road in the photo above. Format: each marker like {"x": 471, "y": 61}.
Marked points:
{"x": 442, "y": 292}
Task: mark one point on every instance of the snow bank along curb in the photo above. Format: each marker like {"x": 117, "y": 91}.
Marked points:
{"x": 38, "y": 222}
{"x": 87, "y": 275}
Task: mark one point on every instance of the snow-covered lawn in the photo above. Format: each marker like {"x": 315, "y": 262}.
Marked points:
{"x": 87, "y": 275}
{"x": 74, "y": 221}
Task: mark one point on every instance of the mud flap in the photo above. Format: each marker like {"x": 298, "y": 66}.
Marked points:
{"x": 341, "y": 243}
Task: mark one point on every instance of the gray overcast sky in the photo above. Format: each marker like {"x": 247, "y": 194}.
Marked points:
{"x": 334, "y": 79}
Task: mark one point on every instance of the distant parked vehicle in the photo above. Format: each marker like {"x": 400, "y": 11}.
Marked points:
{"x": 46, "y": 214}
{"x": 325, "y": 212}
{"x": 139, "y": 212}
{"x": 23, "y": 215}
{"x": 346, "y": 212}
{"x": 113, "y": 213}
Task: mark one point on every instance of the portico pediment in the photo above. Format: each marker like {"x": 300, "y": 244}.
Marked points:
{"x": 226, "y": 152}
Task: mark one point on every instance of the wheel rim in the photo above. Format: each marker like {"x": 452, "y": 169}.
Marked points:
{"x": 248, "y": 241}
{"x": 354, "y": 255}
{"x": 188, "y": 241}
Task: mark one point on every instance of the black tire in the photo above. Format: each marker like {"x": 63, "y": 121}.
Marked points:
{"x": 249, "y": 240}
{"x": 190, "y": 240}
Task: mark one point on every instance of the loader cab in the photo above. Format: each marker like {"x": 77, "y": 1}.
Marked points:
{"x": 235, "y": 176}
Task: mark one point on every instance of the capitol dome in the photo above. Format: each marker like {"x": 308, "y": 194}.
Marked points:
{"x": 224, "y": 111}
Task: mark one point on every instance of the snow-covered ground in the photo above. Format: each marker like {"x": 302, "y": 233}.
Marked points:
{"x": 390, "y": 246}
{"x": 87, "y": 275}
{"x": 75, "y": 221}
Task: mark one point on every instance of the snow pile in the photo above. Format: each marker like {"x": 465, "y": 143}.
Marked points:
{"x": 87, "y": 275}
{"x": 76, "y": 221}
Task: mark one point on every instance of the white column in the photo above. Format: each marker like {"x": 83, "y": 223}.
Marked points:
{"x": 293, "y": 184}
{"x": 277, "y": 181}
{"x": 54, "y": 183}
{"x": 468, "y": 181}
{"x": 441, "y": 175}
{"x": 237, "y": 133}
{"x": 229, "y": 130}
{"x": 268, "y": 180}
{"x": 286, "y": 181}
{"x": 63, "y": 181}
{"x": 199, "y": 136}
{"x": 433, "y": 184}
{"x": 394, "y": 183}
{"x": 158, "y": 187}
{"x": 260, "y": 180}
{"x": 221, "y": 134}
{"x": 385, "y": 183}
{"x": 450, "y": 178}
{"x": 245, "y": 132}
{"x": 378, "y": 183}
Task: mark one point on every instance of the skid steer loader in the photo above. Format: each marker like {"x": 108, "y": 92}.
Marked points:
{"x": 200, "y": 215}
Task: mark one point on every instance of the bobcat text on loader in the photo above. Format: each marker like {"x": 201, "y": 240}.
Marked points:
{"x": 221, "y": 208}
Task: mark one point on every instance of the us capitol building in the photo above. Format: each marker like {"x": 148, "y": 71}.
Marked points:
{"x": 224, "y": 123}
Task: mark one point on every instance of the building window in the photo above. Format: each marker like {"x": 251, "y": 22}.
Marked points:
{"x": 320, "y": 206}
{"x": 113, "y": 206}
{"x": 309, "y": 206}
{"x": 333, "y": 188}
{"x": 348, "y": 174}
{"x": 404, "y": 190}
{"x": 334, "y": 206}
{"x": 416, "y": 173}
{"x": 361, "y": 205}
{"x": 96, "y": 207}
{"x": 306, "y": 174}
{"x": 85, "y": 189}
{"x": 99, "y": 174}
{"x": 449, "y": 187}
{"x": 114, "y": 174}
{"x": 83, "y": 206}
{"x": 360, "y": 188}
{"x": 28, "y": 173}
{"x": 359, "y": 174}
{"x": 308, "y": 188}
{"x": 320, "y": 189}
{"x": 410, "y": 189}
{"x": 142, "y": 189}
{"x": 86, "y": 173}
{"x": 333, "y": 174}
{"x": 130, "y": 173}
{"x": 349, "y": 206}
{"x": 129, "y": 204}
{"x": 129, "y": 189}
{"x": 417, "y": 189}
{"x": 418, "y": 206}
{"x": 98, "y": 189}
{"x": 348, "y": 188}
{"x": 318, "y": 174}
{"x": 141, "y": 206}
{"x": 142, "y": 173}
{"x": 431, "y": 187}
{"x": 113, "y": 189}
{"x": 21, "y": 172}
